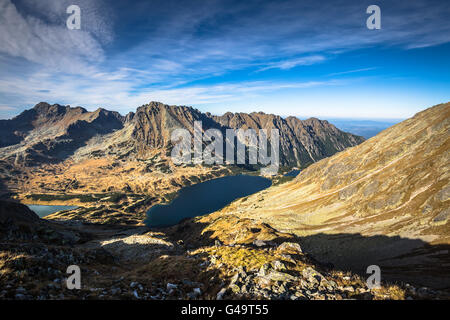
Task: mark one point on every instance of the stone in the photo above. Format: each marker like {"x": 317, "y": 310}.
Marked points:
{"x": 235, "y": 288}
{"x": 221, "y": 293}
{"x": 279, "y": 276}
{"x": 259, "y": 243}
{"x": 234, "y": 279}
{"x": 194, "y": 294}
{"x": 20, "y": 296}
{"x": 264, "y": 269}
{"x": 278, "y": 265}
{"x": 290, "y": 246}
{"x": 171, "y": 286}
{"x": 198, "y": 291}
{"x": 312, "y": 275}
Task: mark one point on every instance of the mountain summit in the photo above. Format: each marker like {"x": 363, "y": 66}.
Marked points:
{"x": 52, "y": 133}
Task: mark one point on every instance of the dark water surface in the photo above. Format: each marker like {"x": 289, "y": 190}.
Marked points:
{"x": 204, "y": 198}
{"x": 43, "y": 211}
{"x": 292, "y": 173}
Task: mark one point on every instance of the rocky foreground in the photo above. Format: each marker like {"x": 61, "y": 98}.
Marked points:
{"x": 189, "y": 261}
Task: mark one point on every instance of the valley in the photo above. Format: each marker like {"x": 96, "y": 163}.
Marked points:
{"x": 310, "y": 235}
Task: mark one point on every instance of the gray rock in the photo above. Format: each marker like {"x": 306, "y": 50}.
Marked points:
{"x": 20, "y": 290}
{"x": 194, "y": 294}
{"x": 259, "y": 243}
{"x": 349, "y": 289}
{"x": 198, "y": 291}
{"x": 278, "y": 265}
{"x": 309, "y": 273}
{"x": 221, "y": 293}
{"x": 20, "y": 296}
{"x": 171, "y": 286}
{"x": 264, "y": 270}
{"x": 290, "y": 246}
{"x": 279, "y": 276}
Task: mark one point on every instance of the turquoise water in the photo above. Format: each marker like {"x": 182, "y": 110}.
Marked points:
{"x": 204, "y": 198}
{"x": 43, "y": 211}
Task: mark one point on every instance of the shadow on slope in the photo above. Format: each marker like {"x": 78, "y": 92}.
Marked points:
{"x": 400, "y": 259}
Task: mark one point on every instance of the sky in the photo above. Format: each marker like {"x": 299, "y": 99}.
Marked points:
{"x": 300, "y": 58}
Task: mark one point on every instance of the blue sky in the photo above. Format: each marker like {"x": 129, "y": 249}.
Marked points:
{"x": 302, "y": 58}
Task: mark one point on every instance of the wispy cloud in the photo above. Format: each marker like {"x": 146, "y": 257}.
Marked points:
{"x": 351, "y": 71}
{"x": 49, "y": 44}
{"x": 7, "y": 108}
{"x": 122, "y": 96}
{"x": 129, "y": 53}
{"x": 292, "y": 63}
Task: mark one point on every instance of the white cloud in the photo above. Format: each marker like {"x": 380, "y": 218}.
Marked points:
{"x": 42, "y": 60}
{"x": 7, "y": 108}
{"x": 50, "y": 45}
{"x": 292, "y": 63}
{"x": 352, "y": 71}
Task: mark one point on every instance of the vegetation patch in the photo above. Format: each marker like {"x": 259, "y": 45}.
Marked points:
{"x": 239, "y": 256}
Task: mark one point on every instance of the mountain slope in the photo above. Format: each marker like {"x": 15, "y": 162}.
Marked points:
{"x": 49, "y": 133}
{"x": 395, "y": 185}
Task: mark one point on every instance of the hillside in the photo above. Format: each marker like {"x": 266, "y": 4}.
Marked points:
{"x": 385, "y": 201}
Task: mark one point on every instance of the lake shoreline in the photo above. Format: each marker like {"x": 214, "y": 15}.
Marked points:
{"x": 199, "y": 199}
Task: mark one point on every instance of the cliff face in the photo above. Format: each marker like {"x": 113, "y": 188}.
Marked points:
{"x": 301, "y": 142}
{"x": 52, "y": 133}
{"x": 154, "y": 123}
{"x": 386, "y": 200}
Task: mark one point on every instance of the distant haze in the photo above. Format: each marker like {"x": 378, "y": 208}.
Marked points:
{"x": 363, "y": 128}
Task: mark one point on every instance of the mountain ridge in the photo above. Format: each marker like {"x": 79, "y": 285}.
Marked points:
{"x": 47, "y": 126}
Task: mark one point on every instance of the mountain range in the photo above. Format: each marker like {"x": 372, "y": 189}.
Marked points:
{"x": 54, "y": 132}
{"x": 60, "y": 149}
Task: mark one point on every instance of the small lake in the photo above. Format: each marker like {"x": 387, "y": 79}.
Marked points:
{"x": 292, "y": 173}
{"x": 204, "y": 198}
{"x": 43, "y": 211}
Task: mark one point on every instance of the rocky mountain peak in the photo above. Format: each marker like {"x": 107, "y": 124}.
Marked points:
{"x": 152, "y": 124}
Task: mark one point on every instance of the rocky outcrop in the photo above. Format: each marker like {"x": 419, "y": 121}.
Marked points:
{"x": 154, "y": 123}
